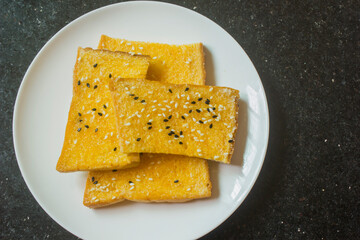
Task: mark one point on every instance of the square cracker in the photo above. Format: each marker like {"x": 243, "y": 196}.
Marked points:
{"x": 183, "y": 119}
{"x": 91, "y": 139}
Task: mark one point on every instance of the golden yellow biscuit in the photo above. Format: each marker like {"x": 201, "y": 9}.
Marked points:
{"x": 191, "y": 120}
{"x": 158, "y": 178}
{"x": 91, "y": 139}
{"x": 169, "y": 63}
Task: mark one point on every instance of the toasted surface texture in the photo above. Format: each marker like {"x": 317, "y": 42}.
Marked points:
{"x": 168, "y": 163}
{"x": 157, "y": 178}
{"x": 191, "y": 120}
{"x": 91, "y": 139}
{"x": 169, "y": 63}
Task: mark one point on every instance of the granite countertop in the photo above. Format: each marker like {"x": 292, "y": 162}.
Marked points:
{"x": 307, "y": 55}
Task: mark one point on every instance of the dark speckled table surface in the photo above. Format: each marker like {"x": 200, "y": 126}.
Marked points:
{"x": 307, "y": 55}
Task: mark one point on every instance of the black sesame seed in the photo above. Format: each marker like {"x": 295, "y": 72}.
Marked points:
{"x": 114, "y": 170}
{"x": 96, "y": 129}
{"x": 208, "y": 109}
{"x": 80, "y": 120}
{"x": 87, "y": 126}
{"x": 79, "y": 114}
{"x": 138, "y": 139}
{"x": 207, "y": 101}
{"x": 211, "y": 125}
{"x": 92, "y": 179}
{"x": 176, "y": 181}
{"x": 181, "y": 132}
{"x": 201, "y": 122}
{"x": 100, "y": 114}
{"x": 95, "y": 65}
{"x": 200, "y": 99}
{"x": 183, "y": 117}
{"x": 170, "y": 90}
{"x": 110, "y": 75}
{"x": 105, "y": 106}
{"x": 215, "y": 116}
{"x": 214, "y": 108}
{"x": 186, "y": 89}
{"x": 230, "y": 141}
{"x": 79, "y": 129}
{"x": 115, "y": 148}
{"x": 96, "y": 182}
{"x": 94, "y": 109}
{"x": 142, "y": 101}
{"x": 198, "y": 110}
{"x": 149, "y": 123}
{"x": 190, "y": 111}
{"x": 88, "y": 85}
{"x": 131, "y": 95}
{"x": 130, "y": 182}
{"x": 166, "y": 120}
{"x": 95, "y": 87}
{"x": 150, "y": 127}
{"x": 170, "y": 117}
{"x": 177, "y": 136}
{"x": 180, "y": 143}
{"x": 193, "y": 102}
{"x": 136, "y": 98}
{"x": 167, "y": 127}
{"x": 79, "y": 82}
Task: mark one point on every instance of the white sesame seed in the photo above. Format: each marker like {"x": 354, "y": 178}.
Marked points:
{"x": 113, "y": 197}
{"x": 232, "y": 117}
{"x": 159, "y": 104}
{"x": 98, "y": 100}
{"x": 182, "y": 95}
{"x": 211, "y": 97}
{"x": 194, "y": 119}
{"x": 75, "y": 141}
{"x": 142, "y": 110}
{"x": 106, "y": 115}
{"x": 159, "y": 115}
{"x": 137, "y": 176}
{"x": 154, "y": 101}
{"x": 127, "y": 142}
{"x": 210, "y": 89}
{"x": 150, "y": 92}
{"x": 154, "y": 57}
{"x": 164, "y": 62}
{"x": 106, "y": 137}
{"x": 160, "y": 130}
{"x": 186, "y": 115}
{"x": 199, "y": 150}
{"x": 154, "y": 110}
{"x": 188, "y": 189}
{"x": 132, "y": 187}
{"x": 200, "y": 155}
{"x": 192, "y": 130}
{"x": 111, "y": 133}
{"x": 96, "y": 200}
{"x": 188, "y": 98}
{"x": 216, "y": 157}
{"x": 127, "y": 124}
{"x": 163, "y": 114}
{"x": 121, "y": 42}
{"x": 185, "y": 106}
{"x": 167, "y": 106}
{"x": 127, "y": 89}
{"x": 201, "y": 140}
{"x": 138, "y": 180}
{"x": 128, "y": 43}
{"x": 141, "y": 48}
{"x": 148, "y": 115}
{"x": 126, "y": 64}
{"x": 133, "y": 48}
{"x": 150, "y": 179}
{"x": 113, "y": 179}
{"x": 163, "y": 109}
{"x": 132, "y": 184}
{"x": 89, "y": 95}
{"x": 176, "y": 105}
{"x": 181, "y": 136}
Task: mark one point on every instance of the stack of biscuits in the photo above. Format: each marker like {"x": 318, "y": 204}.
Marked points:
{"x": 143, "y": 123}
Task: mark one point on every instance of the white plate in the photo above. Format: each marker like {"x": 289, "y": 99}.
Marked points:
{"x": 43, "y": 102}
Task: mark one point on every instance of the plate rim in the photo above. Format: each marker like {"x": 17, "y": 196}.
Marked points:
{"x": 25, "y": 78}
